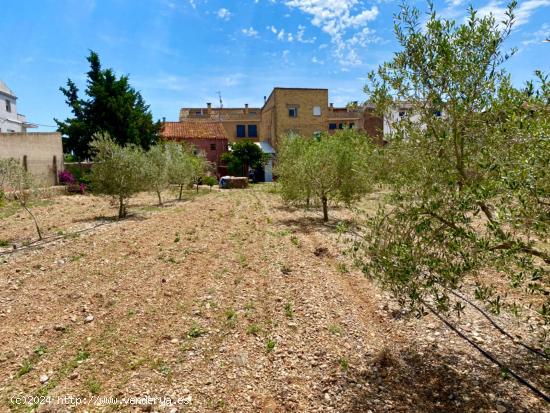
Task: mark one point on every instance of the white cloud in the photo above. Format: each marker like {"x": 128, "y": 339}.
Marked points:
{"x": 224, "y": 14}
{"x": 250, "y": 32}
{"x": 300, "y": 35}
{"x": 337, "y": 18}
{"x": 288, "y": 36}
{"x": 523, "y": 12}
{"x": 539, "y": 36}
{"x": 317, "y": 61}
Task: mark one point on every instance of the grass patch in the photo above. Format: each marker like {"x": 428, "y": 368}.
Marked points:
{"x": 231, "y": 317}
{"x": 344, "y": 364}
{"x": 94, "y": 387}
{"x": 29, "y": 363}
{"x": 253, "y": 329}
{"x": 196, "y": 332}
{"x": 289, "y": 312}
{"x": 270, "y": 345}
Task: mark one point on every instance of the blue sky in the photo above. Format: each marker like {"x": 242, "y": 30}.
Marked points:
{"x": 182, "y": 52}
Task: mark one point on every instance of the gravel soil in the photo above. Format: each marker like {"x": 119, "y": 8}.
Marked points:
{"x": 228, "y": 301}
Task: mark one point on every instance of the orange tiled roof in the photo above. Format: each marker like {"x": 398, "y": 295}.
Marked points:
{"x": 193, "y": 130}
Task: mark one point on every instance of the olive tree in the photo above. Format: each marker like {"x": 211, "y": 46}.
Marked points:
{"x": 157, "y": 167}
{"x": 468, "y": 168}
{"x": 199, "y": 167}
{"x": 118, "y": 171}
{"x": 17, "y": 181}
{"x": 180, "y": 168}
{"x": 328, "y": 168}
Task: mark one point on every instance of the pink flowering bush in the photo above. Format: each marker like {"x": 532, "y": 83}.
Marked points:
{"x": 66, "y": 178}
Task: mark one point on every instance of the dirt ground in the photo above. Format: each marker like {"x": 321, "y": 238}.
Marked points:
{"x": 227, "y": 301}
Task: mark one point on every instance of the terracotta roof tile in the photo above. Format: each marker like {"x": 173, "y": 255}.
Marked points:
{"x": 193, "y": 130}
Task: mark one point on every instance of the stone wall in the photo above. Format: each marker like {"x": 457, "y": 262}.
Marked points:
{"x": 40, "y": 153}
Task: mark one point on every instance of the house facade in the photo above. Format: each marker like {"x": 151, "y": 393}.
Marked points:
{"x": 10, "y": 120}
{"x": 208, "y": 137}
{"x": 305, "y": 111}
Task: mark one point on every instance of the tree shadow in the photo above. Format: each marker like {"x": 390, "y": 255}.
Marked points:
{"x": 111, "y": 218}
{"x": 431, "y": 381}
{"x": 308, "y": 224}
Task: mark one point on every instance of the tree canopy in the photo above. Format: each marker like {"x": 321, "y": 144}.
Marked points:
{"x": 327, "y": 168}
{"x": 118, "y": 171}
{"x": 469, "y": 175}
{"x": 111, "y": 106}
{"x": 242, "y": 155}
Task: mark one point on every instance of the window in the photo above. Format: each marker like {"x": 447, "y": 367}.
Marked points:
{"x": 438, "y": 113}
{"x": 241, "y": 133}
{"x": 293, "y": 112}
{"x": 252, "y": 131}
{"x": 212, "y": 146}
{"x": 8, "y": 105}
{"x": 316, "y": 110}
{"x": 331, "y": 126}
{"x": 352, "y": 125}
{"x": 340, "y": 126}
{"x": 402, "y": 114}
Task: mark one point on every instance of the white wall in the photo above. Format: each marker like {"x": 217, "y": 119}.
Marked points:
{"x": 392, "y": 118}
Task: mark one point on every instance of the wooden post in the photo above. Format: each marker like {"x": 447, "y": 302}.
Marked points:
{"x": 55, "y": 174}
{"x": 25, "y": 163}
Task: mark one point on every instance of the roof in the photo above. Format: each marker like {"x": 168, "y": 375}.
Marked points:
{"x": 265, "y": 147}
{"x": 193, "y": 130}
{"x": 5, "y": 89}
{"x": 225, "y": 114}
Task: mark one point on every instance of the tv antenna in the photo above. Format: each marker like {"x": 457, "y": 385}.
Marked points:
{"x": 221, "y": 105}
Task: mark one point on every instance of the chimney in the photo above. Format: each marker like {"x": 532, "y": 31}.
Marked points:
{"x": 246, "y": 108}
{"x": 163, "y": 119}
{"x": 208, "y": 108}
{"x": 331, "y": 106}
{"x": 265, "y": 99}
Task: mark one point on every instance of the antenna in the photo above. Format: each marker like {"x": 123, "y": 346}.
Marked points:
{"x": 221, "y": 106}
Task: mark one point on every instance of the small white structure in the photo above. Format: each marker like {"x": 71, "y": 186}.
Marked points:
{"x": 10, "y": 120}
{"x": 268, "y": 168}
{"x": 399, "y": 112}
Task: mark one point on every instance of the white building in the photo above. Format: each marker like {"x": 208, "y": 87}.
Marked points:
{"x": 10, "y": 120}
{"x": 402, "y": 111}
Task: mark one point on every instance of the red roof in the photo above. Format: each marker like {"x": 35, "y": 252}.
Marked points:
{"x": 192, "y": 130}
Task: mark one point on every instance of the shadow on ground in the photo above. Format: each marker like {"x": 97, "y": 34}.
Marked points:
{"x": 430, "y": 381}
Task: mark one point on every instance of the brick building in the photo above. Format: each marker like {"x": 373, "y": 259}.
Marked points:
{"x": 206, "y": 136}
{"x": 301, "y": 110}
